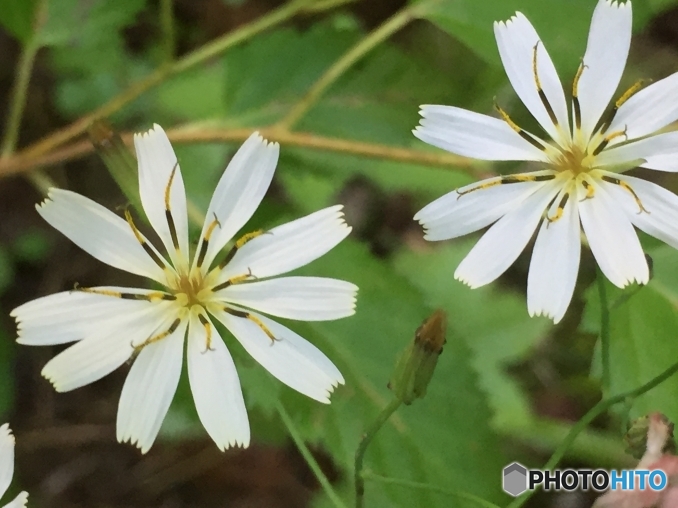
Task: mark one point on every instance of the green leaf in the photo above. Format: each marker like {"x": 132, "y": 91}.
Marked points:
{"x": 204, "y": 86}
{"x": 78, "y": 23}
{"x": 472, "y": 22}
{"x": 643, "y": 324}
{"x": 88, "y": 52}
{"x": 438, "y": 439}
{"x": 493, "y": 323}
{"x": 17, "y": 17}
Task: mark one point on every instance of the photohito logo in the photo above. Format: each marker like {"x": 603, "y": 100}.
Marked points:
{"x": 516, "y": 479}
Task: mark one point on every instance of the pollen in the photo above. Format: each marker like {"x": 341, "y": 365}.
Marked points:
{"x": 574, "y": 159}
{"x": 192, "y": 287}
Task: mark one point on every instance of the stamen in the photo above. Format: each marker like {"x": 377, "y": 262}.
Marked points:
{"x": 156, "y": 259}
{"x": 522, "y": 133}
{"x": 618, "y": 104}
{"x": 607, "y": 140}
{"x": 559, "y": 211}
{"x": 627, "y": 187}
{"x": 168, "y": 211}
{"x": 630, "y": 92}
{"x": 590, "y": 190}
{"x": 505, "y": 180}
{"x": 155, "y": 338}
{"x": 239, "y": 244}
{"x": 575, "y": 95}
{"x": 255, "y": 320}
{"x": 540, "y": 91}
{"x": 150, "y": 297}
{"x": 206, "y": 240}
{"x": 208, "y": 332}
{"x": 234, "y": 280}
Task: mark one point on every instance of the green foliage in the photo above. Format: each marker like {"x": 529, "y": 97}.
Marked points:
{"x": 447, "y": 438}
{"x": 493, "y": 323}
{"x": 439, "y": 438}
{"x": 88, "y": 51}
{"x": 17, "y": 17}
{"x": 643, "y": 324}
{"x": 472, "y": 22}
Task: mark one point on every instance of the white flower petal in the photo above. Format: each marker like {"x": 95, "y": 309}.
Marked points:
{"x": 157, "y": 164}
{"x": 473, "y": 135}
{"x": 454, "y": 215}
{"x": 19, "y": 501}
{"x": 290, "y": 358}
{"x": 654, "y": 150}
{"x": 662, "y": 205}
{"x": 240, "y": 191}
{"x": 516, "y": 40}
{"x": 149, "y": 389}
{"x": 611, "y": 236}
{"x": 6, "y": 457}
{"x": 555, "y": 263}
{"x": 604, "y": 60}
{"x": 649, "y": 110}
{"x": 216, "y": 388}
{"x": 99, "y": 232}
{"x": 71, "y": 315}
{"x": 290, "y": 245}
{"x": 501, "y": 245}
{"x": 106, "y": 348}
{"x": 304, "y": 298}
{"x": 665, "y": 162}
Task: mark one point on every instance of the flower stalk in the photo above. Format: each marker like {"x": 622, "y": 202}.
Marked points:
{"x": 413, "y": 372}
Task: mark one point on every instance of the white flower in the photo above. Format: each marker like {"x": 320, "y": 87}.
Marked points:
{"x": 7, "y": 467}
{"x": 580, "y": 179}
{"x": 115, "y": 324}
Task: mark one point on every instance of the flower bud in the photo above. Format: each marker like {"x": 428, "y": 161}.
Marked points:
{"x": 415, "y": 365}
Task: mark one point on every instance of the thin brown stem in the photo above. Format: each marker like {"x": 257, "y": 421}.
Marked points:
{"x": 21, "y": 82}
{"x": 190, "y": 61}
{"x": 347, "y": 60}
{"x": 77, "y": 150}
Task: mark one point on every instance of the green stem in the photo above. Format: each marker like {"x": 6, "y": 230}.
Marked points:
{"x": 308, "y": 456}
{"x": 362, "y": 448}
{"x": 167, "y": 27}
{"x": 604, "y": 331}
{"x": 367, "y": 44}
{"x": 191, "y": 60}
{"x": 591, "y": 415}
{"x": 592, "y": 446}
{"x": 23, "y": 78}
{"x": 459, "y": 494}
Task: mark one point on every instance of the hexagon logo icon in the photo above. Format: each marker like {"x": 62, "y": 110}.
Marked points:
{"x": 514, "y": 479}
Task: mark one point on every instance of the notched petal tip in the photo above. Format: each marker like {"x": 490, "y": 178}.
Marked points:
{"x": 45, "y": 202}
{"x": 547, "y": 314}
{"x": 424, "y": 109}
{"x": 330, "y": 390}
{"x": 22, "y": 499}
{"x": 466, "y": 281}
{"x": 51, "y": 378}
{"x": 6, "y": 433}
{"x": 518, "y": 16}
{"x": 266, "y": 144}
{"x": 233, "y": 444}
{"x": 617, "y": 4}
{"x": 135, "y": 441}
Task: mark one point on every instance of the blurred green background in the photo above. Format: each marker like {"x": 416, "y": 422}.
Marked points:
{"x": 507, "y": 387}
